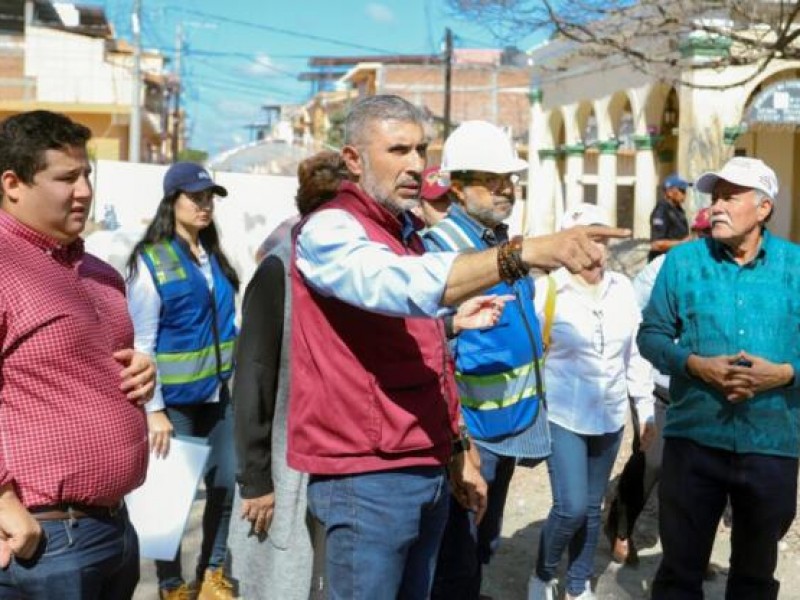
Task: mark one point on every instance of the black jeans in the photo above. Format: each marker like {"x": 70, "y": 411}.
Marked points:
{"x": 696, "y": 483}
{"x": 214, "y": 423}
{"x": 466, "y": 547}
{"x": 638, "y": 478}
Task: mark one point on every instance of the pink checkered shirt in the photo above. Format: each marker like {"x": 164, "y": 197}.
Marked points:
{"x": 67, "y": 432}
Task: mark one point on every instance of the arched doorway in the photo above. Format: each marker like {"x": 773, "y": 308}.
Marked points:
{"x": 771, "y": 132}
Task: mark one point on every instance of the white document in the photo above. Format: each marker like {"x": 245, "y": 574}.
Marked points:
{"x": 159, "y": 509}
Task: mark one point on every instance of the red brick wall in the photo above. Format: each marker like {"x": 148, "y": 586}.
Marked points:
{"x": 13, "y": 86}
{"x": 478, "y": 92}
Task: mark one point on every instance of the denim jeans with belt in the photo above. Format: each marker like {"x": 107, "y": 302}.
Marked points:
{"x": 382, "y": 531}
{"x": 214, "y": 423}
{"x": 579, "y": 468}
{"x": 84, "y": 559}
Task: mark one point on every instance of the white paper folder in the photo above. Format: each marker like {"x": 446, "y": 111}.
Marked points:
{"x": 159, "y": 509}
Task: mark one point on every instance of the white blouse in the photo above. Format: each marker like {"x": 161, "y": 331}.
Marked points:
{"x": 593, "y": 362}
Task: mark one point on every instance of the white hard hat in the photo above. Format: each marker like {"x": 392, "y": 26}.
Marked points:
{"x": 480, "y": 146}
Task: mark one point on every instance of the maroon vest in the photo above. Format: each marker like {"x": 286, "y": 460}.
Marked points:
{"x": 368, "y": 392}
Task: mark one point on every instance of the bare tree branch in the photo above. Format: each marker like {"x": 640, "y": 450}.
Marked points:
{"x": 654, "y": 36}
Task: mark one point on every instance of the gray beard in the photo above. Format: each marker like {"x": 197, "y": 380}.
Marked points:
{"x": 393, "y": 207}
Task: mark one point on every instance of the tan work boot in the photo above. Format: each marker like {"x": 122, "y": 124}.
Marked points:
{"x": 216, "y": 586}
{"x": 185, "y": 592}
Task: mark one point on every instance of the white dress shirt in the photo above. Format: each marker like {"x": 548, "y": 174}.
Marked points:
{"x": 338, "y": 260}
{"x": 144, "y": 306}
{"x": 643, "y": 286}
{"x": 593, "y": 362}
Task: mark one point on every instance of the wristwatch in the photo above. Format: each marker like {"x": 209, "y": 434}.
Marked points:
{"x": 460, "y": 443}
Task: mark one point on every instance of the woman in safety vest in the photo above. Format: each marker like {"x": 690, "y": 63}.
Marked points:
{"x": 181, "y": 291}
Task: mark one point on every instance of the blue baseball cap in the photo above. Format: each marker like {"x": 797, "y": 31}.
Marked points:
{"x": 676, "y": 181}
{"x": 189, "y": 177}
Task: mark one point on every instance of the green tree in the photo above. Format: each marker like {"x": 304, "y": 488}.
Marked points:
{"x": 193, "y": 155}
{"x": 335, "y": 133}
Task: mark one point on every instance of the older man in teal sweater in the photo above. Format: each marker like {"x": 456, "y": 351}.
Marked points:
{"x": 723, "y": 321}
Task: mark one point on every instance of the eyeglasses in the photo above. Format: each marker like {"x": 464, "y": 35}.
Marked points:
{"x": 491, "y": 181}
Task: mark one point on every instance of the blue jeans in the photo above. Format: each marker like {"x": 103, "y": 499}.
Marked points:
{"x": 382, "y": 531}
{"x": 88, "y": 559}
{"x": 467, "y": 547}
{"x": 214, "y": 423}
{"x": 696, "y": 483}
{"x": 579, "y": 468}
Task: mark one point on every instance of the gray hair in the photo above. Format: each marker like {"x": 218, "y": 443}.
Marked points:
{"x": 382, "y": 107}
{"x": 760, "y": 197}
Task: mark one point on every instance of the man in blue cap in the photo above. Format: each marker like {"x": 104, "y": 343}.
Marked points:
{"x": 668, "y": 224}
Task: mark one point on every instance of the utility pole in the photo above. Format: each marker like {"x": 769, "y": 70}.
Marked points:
{"x": 176, "y": 115}
{"x": 135, "y": 137}
{"x": 448, "y": 74}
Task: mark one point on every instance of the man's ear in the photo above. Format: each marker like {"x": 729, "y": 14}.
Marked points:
{"x": 353, "y": 161}
{"x": 11, "y": 184}
{"x": 764, "y": 209}
{"x": 457, "y": 188}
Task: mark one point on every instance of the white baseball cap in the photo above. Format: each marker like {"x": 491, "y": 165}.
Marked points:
{"x": 744, "y": 171}
{"x": 584, "y": 214}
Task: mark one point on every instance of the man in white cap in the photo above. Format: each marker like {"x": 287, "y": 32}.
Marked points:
{"x": 731, "y": 302}
{"x": 498, "y": 370}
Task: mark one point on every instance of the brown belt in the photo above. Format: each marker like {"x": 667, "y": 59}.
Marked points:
{"x": 65, "y": 512}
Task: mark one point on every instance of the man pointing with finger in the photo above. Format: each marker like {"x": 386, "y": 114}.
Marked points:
{"x": 373, "y": 410}
{"x": 723, "y": 321}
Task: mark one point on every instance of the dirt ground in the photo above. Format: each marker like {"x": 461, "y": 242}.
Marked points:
{"x": 528, "y": 503}
{"x": 529, "y": 500}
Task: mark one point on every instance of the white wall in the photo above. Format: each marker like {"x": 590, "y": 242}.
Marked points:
{"x": 72, "y": 68}
{"x": 255, "y": 205}
{"x": 69, "y": 67}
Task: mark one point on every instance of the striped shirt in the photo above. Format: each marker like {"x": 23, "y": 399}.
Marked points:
{"x": 534, "y": 441}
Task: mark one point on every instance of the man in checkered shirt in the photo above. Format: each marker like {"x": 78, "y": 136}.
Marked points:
{"x": 73, "y": 435}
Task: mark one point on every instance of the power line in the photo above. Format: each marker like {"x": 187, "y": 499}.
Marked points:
{"x": 251, "y": 57}
{"x": 280, "y": 30}
{"x": 254, "y": 85}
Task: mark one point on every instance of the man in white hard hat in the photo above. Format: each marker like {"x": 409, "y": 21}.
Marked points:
{"x": 498, "y": 370}
{"x": 722, "y": 321}
{"x": 373, "y": 409}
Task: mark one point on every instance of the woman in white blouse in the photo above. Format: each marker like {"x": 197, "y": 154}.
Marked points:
{"x": 592, "y": 366}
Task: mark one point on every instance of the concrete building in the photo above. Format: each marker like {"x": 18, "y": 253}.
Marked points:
{"x": 604, "y": 132}
{"x": 485, "y": 85}
{"x": 64, "y": 57}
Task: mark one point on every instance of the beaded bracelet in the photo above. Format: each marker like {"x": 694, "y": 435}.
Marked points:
{"x": 516, "y": 255}
{"x": 509, "y": 261}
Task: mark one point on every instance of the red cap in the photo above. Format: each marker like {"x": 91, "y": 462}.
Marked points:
{"x": 434, "y": 184}
{"x": 702, "y": 220}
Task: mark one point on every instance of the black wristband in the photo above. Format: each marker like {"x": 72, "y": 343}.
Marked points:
{"x": 461, "y": 443}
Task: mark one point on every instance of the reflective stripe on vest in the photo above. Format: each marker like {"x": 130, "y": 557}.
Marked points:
{"x": 499, "y": 390}
{"x": 187, "y": 367}
{"x": 492, "y": 391}
{"x": 167, "y": 263}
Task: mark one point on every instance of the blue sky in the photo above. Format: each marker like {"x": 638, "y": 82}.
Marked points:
{"x": 235, "y": 60}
